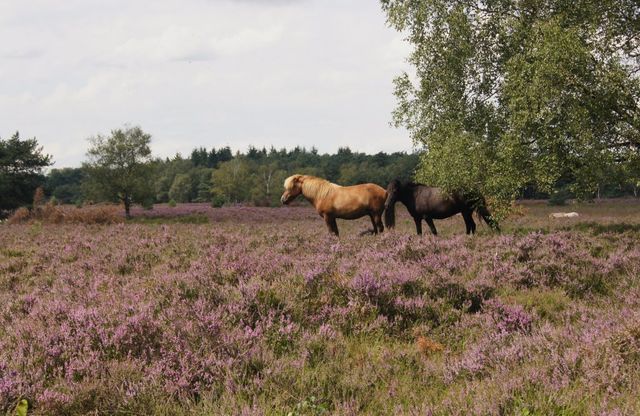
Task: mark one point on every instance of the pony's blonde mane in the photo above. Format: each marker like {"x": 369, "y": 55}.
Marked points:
{"x": 315, "y": 187}
{"x": 312, "y": 186}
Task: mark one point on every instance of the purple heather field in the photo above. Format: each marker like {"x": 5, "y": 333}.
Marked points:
{"x": 259, "y": 311}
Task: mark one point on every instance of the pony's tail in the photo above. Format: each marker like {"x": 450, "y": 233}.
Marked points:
{"x": 484, "y": 214}
{"x": 390, "y": 215}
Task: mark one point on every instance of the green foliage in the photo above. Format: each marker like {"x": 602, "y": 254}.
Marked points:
{"x": 211, "y": 159}
{"x": 559, "y": 197}
{"x": 217, "y": 201}
{"x": 119, "y": 168}
{"x": 181, "y": 188}
{"x": 232, "y": 181}
{"x": 167, "y": 172}
{"x": 65, "y": 184}
{"x": 21, "y": 163}
{"x": 267, "y": 184}
{"x": 147, "y": 203}
{"x": 201, "y": 184}
{"x": 172, "y": 203}
{"x": 510, "y": 94}
{"x": 22, "y": 408}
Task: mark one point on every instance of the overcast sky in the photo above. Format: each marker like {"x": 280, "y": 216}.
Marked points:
{"x": 200, "y": 73}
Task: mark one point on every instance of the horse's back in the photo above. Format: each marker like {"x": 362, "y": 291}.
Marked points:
{"x": 436, "y": 203}
{"x": 357, "y": 200}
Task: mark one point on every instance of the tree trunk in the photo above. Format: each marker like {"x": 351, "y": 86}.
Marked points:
{"x": 127, "y": 206}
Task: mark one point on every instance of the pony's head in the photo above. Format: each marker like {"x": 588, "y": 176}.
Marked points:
{"x": 393, "y": 191}
{"x": 292, "y": 188}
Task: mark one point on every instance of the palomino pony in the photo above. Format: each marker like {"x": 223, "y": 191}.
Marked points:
{"x": 425, "y": 202}
{"x": 334, "y": 201}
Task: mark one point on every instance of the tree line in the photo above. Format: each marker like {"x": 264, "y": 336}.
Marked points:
{"x": 120, "y": 168}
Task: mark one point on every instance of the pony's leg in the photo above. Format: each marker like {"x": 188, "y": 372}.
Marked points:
{"x": 378, "y": 219}
{"x": 468, "y": 221}
{"x": 418, "y": 221}
{"x": 431, "y": 225}
{"x": 373, "y": 222}
{"x": 331, "y": 224}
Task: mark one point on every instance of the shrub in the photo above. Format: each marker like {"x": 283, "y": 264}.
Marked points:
{"x": 20, "y": 215}
{"x": 172, "y": 203}
{"x": 217, "y": 201}
{"x": 147, "y": 204}
{"x": 559, "y": 197}
{"x": 38, "y": 197}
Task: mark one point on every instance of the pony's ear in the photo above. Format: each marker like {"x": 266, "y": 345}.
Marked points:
{"x": 297, "y": 179}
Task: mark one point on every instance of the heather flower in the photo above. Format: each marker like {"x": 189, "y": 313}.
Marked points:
{"x": 369, "y": 286}
{"x": 327, "y": 331}
{"x": 51, "y": 398}
{"x": 509, "y": 318}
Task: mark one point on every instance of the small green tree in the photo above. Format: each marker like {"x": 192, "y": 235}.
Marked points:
{"x": 167, "y": 172}
{"x": 200, "y": 184}
{"x": 268, "y": 180}
{"x": 119, "y": 167}
{"x": 181, "y": 188}
{"x": 65, "y": 184}
{"x": 232, "y": 180}
{"x": 21, "y": 163}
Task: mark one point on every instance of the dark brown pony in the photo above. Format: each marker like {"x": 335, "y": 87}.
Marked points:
{"x": 334, "y": 201}
{"x": 425, "y": 202}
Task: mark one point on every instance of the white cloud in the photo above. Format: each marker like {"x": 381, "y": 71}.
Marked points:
{"x": 200, "y": 73}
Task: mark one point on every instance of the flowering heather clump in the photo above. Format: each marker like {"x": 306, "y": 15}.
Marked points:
{"x": 260, "y": 311}
{"x": 509, "y": 318}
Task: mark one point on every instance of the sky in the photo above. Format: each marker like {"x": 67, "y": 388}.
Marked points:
{"x": 194, "y": 73}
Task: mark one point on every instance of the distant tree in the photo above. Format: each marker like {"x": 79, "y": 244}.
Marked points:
{"x": 632, "y": 176}
{"x": 212, "y": 159}
{"x": 380, "y": 159}
{"x": 203, "y": 192}
{"x": 167, "y": 172}
{"x": 232, "y": 180}
{"x": 268, "y": 184}
{"x": 181, "y": 188}
{"x": 65, "y": 184}
{"x": 21, "y": 163}
{"x": 201, "y": 185}
{"x": 199, "y": 157}
{"x": 256, "y": 154}
{"x": 350, "y": 174}
{"x": 119, "y": 167}
{"x": 401, "y": 165}
{"x": 224, "y": 154}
